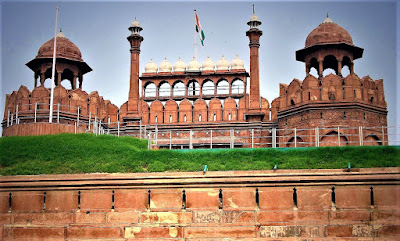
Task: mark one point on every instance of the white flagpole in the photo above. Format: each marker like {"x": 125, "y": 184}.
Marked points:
{"x": 195, "y": 37}
{"x": 53, "y": 69}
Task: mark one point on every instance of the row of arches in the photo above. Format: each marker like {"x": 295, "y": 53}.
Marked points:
{"x": 63, "y": 71}
{"x": 331, "y": 62}
{"x": 331, "y": 139}
{"x": 193, "y": 88}
{"x": 198, "y": 111}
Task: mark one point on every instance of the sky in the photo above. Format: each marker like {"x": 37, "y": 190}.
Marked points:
{"x": 99, "y": 29}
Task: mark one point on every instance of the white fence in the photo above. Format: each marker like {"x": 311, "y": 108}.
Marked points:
{"x": 211, "y": 137}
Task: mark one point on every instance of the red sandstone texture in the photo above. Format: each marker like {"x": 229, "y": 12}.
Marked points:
{"x": 240, "y": 205}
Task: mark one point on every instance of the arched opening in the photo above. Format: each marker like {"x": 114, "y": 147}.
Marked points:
{"x": 330, "y": 65}
{"x": 237, "y": 86}
{"x": 193, "y": 88}
{"x": 150, "y": 90}
{"x": 372, "y": 140}
{"x": 332, "y": 139}
{"x": 47, "y": 78}
{"x": 178, "y": 89}
{"x": 299, "y": 142}
{"x": 208, "y": 87}
{"x": 346, "y": 66}
{"x": 164, "y": 90}
{"x": 67, "y": 75}
{"x": 223, "y": 87}
{"x": 313, "y": 67}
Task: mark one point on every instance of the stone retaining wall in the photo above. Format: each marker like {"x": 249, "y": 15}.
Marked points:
{"x": 242, "y": 205}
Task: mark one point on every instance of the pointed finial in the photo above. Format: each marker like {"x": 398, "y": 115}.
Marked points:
{"x": 253, "y": 9}
{"x": 327, "y": 14}
{"x": 60, "y": 30}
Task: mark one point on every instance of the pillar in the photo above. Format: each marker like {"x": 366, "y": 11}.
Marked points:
{"x": 73, "y": 84}
{"x": 254, "y": 35}
{"x": 57, "y": 81}
{"x": 339, "y": 72}
{"x": 320, "y": 68}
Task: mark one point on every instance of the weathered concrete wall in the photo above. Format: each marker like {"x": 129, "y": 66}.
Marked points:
{"x": 245, "y": 205}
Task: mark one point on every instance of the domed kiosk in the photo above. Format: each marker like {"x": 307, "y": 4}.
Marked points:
{"x": 329, "y": 46}
{"x": 69, "y": 63}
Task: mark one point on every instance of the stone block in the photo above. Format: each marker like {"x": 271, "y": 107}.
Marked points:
{"x": 289, "y": 231}
{"x": 90, "y": 217}
{"x": 221, "y": 232}
{"x": 362, "y": 231}
{"x": 98, "y": 199}
{"x": 122, "y": 217}
{"x": 386, "y": 217}
{"x": 30, "y": 233}
{"x": 387, "y": 231}
{"x": 343, "y": 217}
{"x": 314, "y": 198}
{"x": 353, "y": 197}
{"x": 61, "y": 200}
{"x": 4, "y": 202}
{"x": 166, "y": 200}
{"x": 339, "y": 231}
{"x": 152, "y": 232}
{"x": 276, "y": 198}
{"x": 131, "y": 200}
{"x": 224, "y": 217}
{"x": 5, "y": 218}
{"x": 93, "y": 232}
{"x": 27, "y": 201}
{"x": 205, "y": 199}
{"x": 239, "y": 199}
{"x": 166, "y": 217}
{"x": 387, "y": 197}
{"x": 43, "y": 218}
{"x": 288, "y": 217}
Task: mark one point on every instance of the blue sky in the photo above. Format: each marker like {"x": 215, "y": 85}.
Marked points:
{"x": 99, "y": 29}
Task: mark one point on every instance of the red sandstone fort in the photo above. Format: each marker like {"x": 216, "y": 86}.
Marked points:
{"x": 205, "y": 105}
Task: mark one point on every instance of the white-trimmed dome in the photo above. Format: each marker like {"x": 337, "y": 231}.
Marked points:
{"x": 237, "y": 63}
{"x": 179, "y": 66}
{"x": 222, "y": 64}
{"x": 165, "y": 66}
{"x": 208, "y": 64}
{"x": 135, "y": 23}
{"x": 193, "y": 65}
{"x": 150, "y": 67}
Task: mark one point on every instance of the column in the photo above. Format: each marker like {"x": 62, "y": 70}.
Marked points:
{"x": 339, "y": 72}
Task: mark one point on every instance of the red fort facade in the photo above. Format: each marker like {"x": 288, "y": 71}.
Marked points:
{"x": 177, "y": 100}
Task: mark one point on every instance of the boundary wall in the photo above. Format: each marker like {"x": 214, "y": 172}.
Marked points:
{"x": 338, "y": 204}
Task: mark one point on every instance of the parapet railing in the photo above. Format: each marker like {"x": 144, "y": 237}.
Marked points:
{"x": 205, "y": 137}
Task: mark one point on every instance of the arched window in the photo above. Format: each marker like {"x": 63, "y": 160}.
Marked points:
{"x": 314, "y": 67}
{"x": 199, "y": 117}
{"x": 193, "y": 88}
{"x": 164, "y": 89}
{"x": 223, "y": 87}
{"x": 208, "y": 87}
{"x": 150, "y": 90}
{"x": 330, "y": 65}
{"x": 184, "y": 118}
{"x": 237, "y": 86}
{"x": 178, "y": 89}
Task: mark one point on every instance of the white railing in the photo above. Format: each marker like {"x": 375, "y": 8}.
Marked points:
{"x": 212, "y": 137}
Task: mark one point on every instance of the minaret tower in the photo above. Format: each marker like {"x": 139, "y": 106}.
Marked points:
{"x": 254, "y": 35}
{"x": 135, "y": 40}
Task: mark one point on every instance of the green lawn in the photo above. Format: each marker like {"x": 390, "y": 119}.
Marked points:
{"x": 87, "y": 153}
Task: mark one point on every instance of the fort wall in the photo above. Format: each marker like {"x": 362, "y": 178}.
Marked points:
{"x": 234, "y": 205}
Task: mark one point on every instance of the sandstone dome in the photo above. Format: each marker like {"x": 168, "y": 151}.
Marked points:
{"x": 328, "y": 32}
{"x": 65, "y": 49}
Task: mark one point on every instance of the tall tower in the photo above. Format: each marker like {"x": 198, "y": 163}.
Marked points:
{"x": 254, "y": 35}
{"x": 135, "y": 40}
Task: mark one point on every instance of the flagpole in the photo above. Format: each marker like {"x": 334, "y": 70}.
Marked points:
{"x": 53, "y": 69}
{"x": 195, "y": 38}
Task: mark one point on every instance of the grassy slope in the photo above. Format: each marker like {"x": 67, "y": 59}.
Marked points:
{"x": 86, "y": 153}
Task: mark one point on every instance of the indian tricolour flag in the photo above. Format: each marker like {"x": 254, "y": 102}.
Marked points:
{"x": 199, "y": 29}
